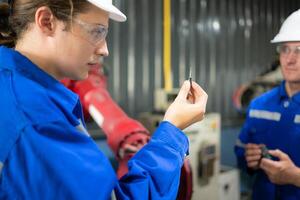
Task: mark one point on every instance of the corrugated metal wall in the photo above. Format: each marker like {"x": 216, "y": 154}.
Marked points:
{"x": 226, "y": 42}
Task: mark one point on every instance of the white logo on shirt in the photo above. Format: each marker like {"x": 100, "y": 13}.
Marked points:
{"x": 297, "y": 119}
{"x": 264, "y": 114}
{"x": 1, "y": 165}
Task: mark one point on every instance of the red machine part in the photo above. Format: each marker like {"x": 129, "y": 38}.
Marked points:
{"x": 186, "y": 182}
{"x": 122, "y": 132}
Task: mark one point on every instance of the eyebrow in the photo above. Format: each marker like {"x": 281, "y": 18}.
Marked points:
{"x": 98, "y": 24}
{"x": 102, "y": 25}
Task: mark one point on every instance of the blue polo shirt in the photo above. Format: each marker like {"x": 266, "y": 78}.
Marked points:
{"x": 46, "y": 152}
{"x": 273, "y": 119}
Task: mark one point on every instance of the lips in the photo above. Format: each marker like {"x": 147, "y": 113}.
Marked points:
{"x": 292, "y": 69}
{"x": 94, "y": 65}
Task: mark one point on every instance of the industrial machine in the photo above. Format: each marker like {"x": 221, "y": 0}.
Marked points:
{"x": 163, "y": 99}
{"x": 204, "y": 151}
{"x": 267, "y": 80}
{"x": 229, "y": 183}
{"x": 204, "y": 156}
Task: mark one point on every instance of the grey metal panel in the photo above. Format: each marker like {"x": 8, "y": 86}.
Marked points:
{"x": 145, "y": 56}
{"x": 226, "y": 42}
{"x": 116, "y": 64}
{"x": 1, "y": 166}
{"x": 192, "y": 41}
{"x": 183, "y": 31}
{"x": 225, "y": 53}
{"x": 158, "y": 75}
{"x": 202, "y": 44}
{"x": 132, "y": 18}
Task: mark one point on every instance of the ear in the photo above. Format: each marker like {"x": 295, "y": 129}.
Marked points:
{"x": 45, "y": 20}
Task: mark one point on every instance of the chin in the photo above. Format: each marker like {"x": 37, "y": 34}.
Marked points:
{"x": 293, "y": 80}
{"x": 79, "y": 77}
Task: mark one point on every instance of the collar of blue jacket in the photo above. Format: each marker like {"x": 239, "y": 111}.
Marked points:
{"x": 284, "y": 96}
{"x": 15, "y": 61}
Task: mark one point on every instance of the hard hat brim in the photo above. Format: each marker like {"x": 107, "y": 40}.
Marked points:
{"x": 114, "y": 13}
{"x": 284, "y": 38}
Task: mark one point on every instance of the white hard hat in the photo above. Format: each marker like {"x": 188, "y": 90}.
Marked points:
{"x": 106, "y": 5}
{"x": 290, "y": 29}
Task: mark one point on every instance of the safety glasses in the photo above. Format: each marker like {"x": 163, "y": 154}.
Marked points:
{"x": 286, "y": 50}
{"x": 94, "y": 33}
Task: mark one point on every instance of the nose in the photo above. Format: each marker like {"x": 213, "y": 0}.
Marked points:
{"x": 291, "y": 57}
{"x": 102, "y": 49}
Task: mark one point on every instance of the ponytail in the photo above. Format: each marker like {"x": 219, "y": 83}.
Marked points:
{"x": 6, "y": 34}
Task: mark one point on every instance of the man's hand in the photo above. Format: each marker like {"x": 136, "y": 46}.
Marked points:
{"x": 283, "y": 171}
{"x": 253, "y": 155}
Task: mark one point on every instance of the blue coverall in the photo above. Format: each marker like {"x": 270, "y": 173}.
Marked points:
{"x": 272, "y": 119}
{"x": 44, "y": 154}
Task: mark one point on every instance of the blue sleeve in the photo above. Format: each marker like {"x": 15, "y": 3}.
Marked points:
{"x": 243, "y": 138}
{"x": 51, "y": 162}
{"x": 239, "y": 151}
{"x": 154, "y": 172}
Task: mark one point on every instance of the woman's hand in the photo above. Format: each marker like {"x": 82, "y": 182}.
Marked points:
{"x": 186, "y": 108}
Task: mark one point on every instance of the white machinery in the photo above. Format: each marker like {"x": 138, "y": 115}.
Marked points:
{"x": 204, "y": 157}
{"x": 163, "y": 98}
{"x": 229, "y": 184}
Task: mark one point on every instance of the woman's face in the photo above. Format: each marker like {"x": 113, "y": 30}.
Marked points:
{"x": 79, "y": 48}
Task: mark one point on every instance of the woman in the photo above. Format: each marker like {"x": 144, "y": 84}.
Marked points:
{"x": 44, "y": 154}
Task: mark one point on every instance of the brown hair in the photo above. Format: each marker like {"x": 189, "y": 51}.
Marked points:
{"x": 15, "y": 18}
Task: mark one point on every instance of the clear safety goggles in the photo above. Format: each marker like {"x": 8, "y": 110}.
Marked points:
{"x": 285, "y": 50}
{"x": 95, "y": 33}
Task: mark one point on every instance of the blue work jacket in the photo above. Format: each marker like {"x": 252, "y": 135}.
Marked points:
{"x": 273, "y": 119}
{"x": 46, "y": 153}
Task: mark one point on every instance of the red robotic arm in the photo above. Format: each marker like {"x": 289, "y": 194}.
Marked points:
{"x": 121, "y": 131}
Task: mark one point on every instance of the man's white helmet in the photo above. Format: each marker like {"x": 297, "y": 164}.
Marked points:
{"x": 290, "y": 29}
{"x": 106, "y": 5}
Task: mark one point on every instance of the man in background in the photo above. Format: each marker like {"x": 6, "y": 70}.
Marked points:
{"x": 273, "y": 122}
